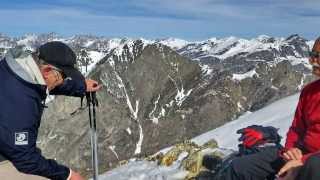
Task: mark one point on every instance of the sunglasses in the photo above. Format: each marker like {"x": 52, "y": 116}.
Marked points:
{"x": 314, "y": 54}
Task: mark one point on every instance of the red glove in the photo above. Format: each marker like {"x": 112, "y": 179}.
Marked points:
{"x": 251, "y": 137}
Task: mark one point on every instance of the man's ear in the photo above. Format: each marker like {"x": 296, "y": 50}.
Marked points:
{"x": 45, "y": 70}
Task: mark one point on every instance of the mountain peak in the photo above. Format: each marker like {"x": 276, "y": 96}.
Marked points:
{"x": 295, "y": 37}
{"x": 173, "y": 43}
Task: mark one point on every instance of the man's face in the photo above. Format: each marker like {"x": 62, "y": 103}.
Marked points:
{"x": 314, "y": 60}
{"x": 51, "y": 75}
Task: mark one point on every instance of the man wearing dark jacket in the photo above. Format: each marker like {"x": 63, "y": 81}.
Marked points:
{"x": 26, "y": 80}
{"x": 300, "y": 158}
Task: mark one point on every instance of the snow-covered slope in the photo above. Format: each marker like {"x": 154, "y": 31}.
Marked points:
{"x": 95, "y": 56}
{"x": 278, "y": 114}
{"x": 230, "y": 46}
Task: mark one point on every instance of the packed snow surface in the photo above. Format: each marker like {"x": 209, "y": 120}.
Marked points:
{"x": 95, "y": 56}
{"x": 278, "y": 114}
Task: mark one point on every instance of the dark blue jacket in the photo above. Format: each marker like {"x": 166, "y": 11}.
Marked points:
{"x": 20, "y": 115}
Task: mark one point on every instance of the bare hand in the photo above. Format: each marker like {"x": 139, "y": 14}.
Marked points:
{"x": 293, "y": 154}
{"x": 290, "y": 165}
{"x": 92, "y": 85}
{"x": 292, "y": 174}
{"x": 75, "y": 176}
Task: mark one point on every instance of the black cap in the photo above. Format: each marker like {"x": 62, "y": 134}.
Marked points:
{"x": 61, "y": 56}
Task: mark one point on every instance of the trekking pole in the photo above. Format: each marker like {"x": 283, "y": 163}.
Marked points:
{"x": 92, "y": 100}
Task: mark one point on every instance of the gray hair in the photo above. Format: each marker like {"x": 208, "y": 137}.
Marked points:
{"x": 35, "y": 56}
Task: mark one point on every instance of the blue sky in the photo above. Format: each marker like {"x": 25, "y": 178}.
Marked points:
{"x": 186, "y": 19}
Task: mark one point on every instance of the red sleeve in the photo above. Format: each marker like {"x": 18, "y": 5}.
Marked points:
{"x": 297, "y": 128}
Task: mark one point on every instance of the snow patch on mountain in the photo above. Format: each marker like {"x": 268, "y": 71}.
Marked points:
{"x": 139, "y": 143}
{"x": 129, "y": 131}
{"x": 297, "y": 60}
{"x": 205, "y": 69}
{"x": 249, "y": 74}
{"x": 27, "y": 40}
{"x": 151, "y": 114}
{"x": 310, "y": 44}
{"x": 182, "y": 95}
{"x": 89, "y": 43}
{"x": 125, "y": 48}
{"x": 114, "y": 43}
{"x": 231, "y": 46}
{"x": 95, "y": 57}
{"x": 112, "y": 148}
{"x": 174, "y": 43}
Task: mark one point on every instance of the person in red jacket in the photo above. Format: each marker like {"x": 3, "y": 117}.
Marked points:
{"x": 302, "y": 148}
{"x": 299, "y": 159}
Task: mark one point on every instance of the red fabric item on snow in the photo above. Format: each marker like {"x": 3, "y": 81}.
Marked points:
{"x": 252, "y": 137}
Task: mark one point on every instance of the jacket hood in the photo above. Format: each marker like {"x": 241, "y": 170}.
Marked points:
{"x": 22, "y": 64}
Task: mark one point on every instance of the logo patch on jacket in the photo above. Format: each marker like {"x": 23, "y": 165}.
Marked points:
{"x": 21, "y": 138}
